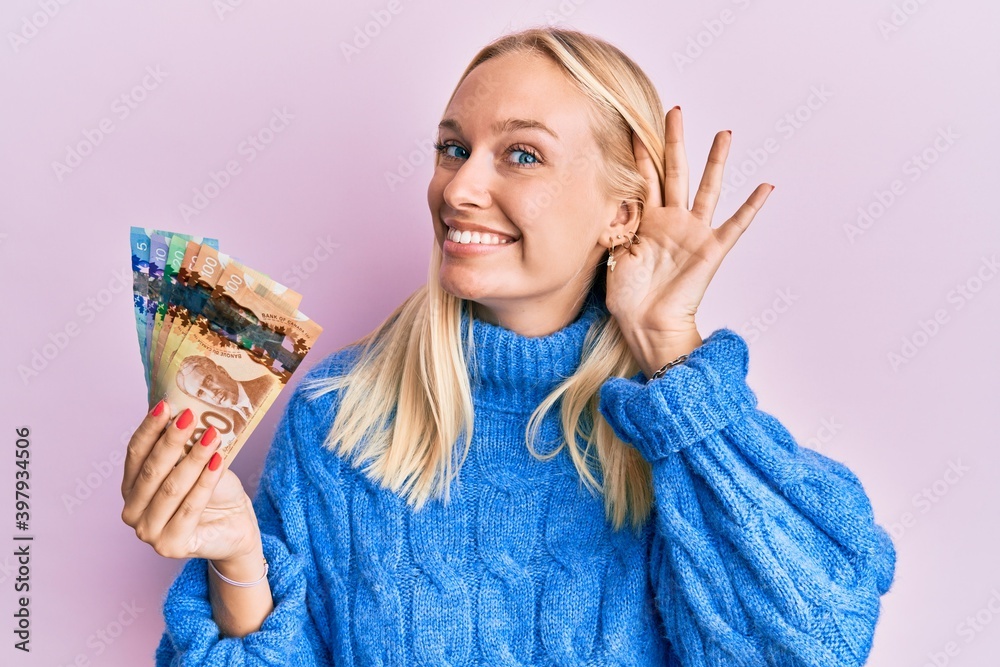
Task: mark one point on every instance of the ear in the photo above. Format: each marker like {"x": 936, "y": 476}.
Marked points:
{"x": 626, "y": 219}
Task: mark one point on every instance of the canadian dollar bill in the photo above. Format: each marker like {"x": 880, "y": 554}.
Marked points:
{"x": 139, "y": 238}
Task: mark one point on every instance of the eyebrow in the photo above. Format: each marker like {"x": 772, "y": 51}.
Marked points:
{"x": 500, "y": 127}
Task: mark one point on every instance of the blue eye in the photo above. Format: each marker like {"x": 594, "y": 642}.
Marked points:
{"x": 526, "y": 153}
{"x": 443, "y": 150}
{"x": 526, "y": 158}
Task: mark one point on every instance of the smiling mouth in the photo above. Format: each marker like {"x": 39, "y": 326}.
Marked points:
{"x": 476, "y": 238}
{"x": 470, "y": 237}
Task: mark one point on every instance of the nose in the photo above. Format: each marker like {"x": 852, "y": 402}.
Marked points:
{"x": 470, "y": 184}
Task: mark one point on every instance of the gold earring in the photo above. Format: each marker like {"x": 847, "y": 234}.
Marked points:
{"x": 611, "y": 255}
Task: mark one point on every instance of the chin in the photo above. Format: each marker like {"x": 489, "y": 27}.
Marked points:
{"x": 464, "y": 287}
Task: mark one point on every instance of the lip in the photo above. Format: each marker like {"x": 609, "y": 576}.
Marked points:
{"x": 474, "y": 249}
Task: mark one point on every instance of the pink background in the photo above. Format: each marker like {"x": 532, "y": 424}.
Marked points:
{"x": 821, "y": 310}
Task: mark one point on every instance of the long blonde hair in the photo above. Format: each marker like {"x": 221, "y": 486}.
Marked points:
{"x": 414, "y": 365}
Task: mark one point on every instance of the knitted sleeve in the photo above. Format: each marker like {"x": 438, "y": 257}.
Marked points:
{"x": 764, "y": 552}
{"x": 289, "y": 635}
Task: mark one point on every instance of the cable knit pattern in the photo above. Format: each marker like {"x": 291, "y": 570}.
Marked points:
{"x": 765, "y": 553}
{"x": 759, "y": 552}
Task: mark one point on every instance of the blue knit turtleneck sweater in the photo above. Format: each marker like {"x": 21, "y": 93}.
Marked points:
{"x": 758, "y": 551}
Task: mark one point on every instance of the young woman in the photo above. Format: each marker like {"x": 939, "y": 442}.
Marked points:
{"x": 536, "y": 459}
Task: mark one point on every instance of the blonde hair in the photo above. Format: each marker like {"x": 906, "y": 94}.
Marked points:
{"x": 413, "y": 363}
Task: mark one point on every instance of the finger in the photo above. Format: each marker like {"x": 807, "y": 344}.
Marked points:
{"x": 707, "y": 196}
{"x": 141, "y": 443}
{"x": 729, "y": 231}
{"x": 675, "y": 169}
{"x": 185, "y": 520}
{"x": 177, "y": 484}
{"x": 647, "y": 169}
{"x": 157, "y": 466}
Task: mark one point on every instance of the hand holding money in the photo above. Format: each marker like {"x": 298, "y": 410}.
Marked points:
{"x": 219, "y": 341}
{"x": 196, "y": 508}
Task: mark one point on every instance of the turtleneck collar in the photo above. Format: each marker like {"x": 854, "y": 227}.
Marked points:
{"x": 513, "y": 373}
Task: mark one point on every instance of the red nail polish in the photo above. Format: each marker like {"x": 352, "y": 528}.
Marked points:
{"x": 185, "y": 419}
{"x": 208, "y": 436}
{"x": 678, "y": 107}
{"x": 158, "y": 410}
{"x": 729, "y": 131}
{"x": 214, "y": 462}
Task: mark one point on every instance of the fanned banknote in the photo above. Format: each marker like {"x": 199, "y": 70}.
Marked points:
{"x": 158, "y": 247}
{"x": 140, "y": 277}
{"x": 216, "y": 336}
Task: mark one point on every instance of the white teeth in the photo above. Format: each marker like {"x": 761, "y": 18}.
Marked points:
{"x": 468, "y": 237}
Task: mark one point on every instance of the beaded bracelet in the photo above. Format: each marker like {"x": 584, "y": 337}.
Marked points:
{"x": 241, "y": 584}
{"x": 669, "y": 364}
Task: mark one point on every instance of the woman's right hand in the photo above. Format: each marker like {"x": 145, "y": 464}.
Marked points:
{"x": 184, "y": 508}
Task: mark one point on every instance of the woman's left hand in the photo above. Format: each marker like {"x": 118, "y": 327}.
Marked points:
{"x": 657, "y": 284}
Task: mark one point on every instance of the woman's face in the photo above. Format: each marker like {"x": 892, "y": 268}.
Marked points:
{"x": 501, "y": 171}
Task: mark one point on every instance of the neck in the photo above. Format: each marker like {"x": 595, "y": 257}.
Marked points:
{"x": 512, "y": 372}
{"x": 532, "y": 320}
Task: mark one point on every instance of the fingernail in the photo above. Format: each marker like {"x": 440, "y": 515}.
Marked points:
{"x": 208, "y": 436}
{"x": 214, "y": 462}
{"x": 158, "y": 410}
{"x": 729, "y": 131}
{"x": 772, "y": 188}
{"x": 678, "y": 107}
{"x": 185, "y": 419}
